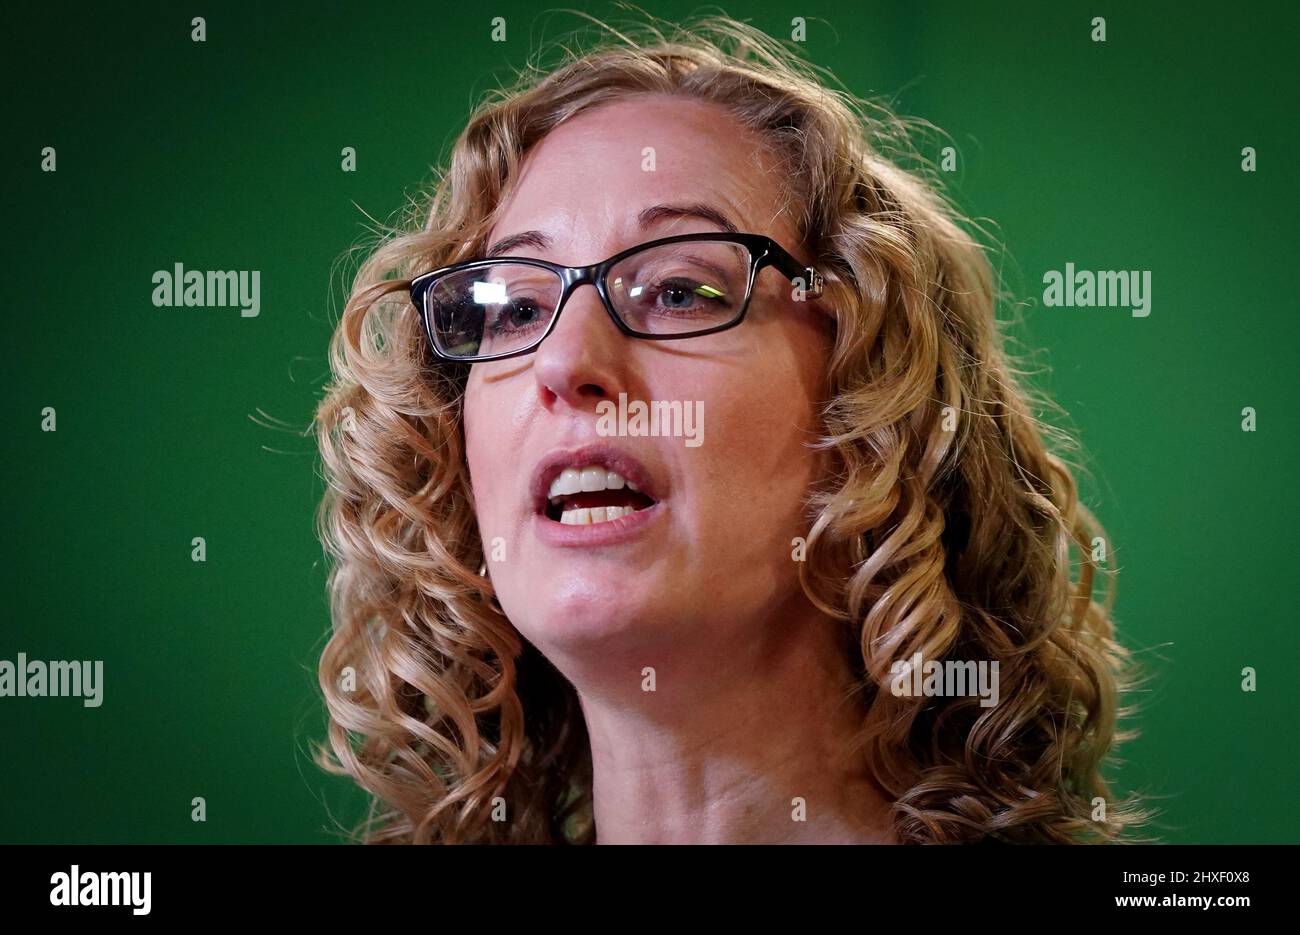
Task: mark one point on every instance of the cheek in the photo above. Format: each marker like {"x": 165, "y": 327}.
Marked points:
{"x": 473, "y": 418}
{"x": 482, "y": 445}
{"x": 756, "y": 456}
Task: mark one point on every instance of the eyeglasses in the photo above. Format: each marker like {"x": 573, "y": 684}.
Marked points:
{"x": 675, "y": 287}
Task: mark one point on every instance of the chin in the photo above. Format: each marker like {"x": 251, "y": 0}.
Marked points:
{"x": 598, "y": 613}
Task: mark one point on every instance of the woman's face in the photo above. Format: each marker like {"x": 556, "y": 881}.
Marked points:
{"x": 707, "y": 569}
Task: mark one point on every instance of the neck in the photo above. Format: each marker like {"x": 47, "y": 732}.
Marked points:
{"x": 737, "y": 748}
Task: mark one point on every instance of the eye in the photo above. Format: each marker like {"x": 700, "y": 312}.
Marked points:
{"x": 679, "y": 294}
{"x": 519, "y": 315}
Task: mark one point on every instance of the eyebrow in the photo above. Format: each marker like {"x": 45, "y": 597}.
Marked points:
{"x": 646, "y": 218}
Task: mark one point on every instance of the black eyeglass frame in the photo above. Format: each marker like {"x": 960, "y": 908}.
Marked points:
{"x": 763, "y": 252}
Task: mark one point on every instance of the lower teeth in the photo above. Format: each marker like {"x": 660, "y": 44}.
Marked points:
{"x": 585, "y": 516}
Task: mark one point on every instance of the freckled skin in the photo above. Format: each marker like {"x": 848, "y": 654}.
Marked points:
{"x": 713, "y": 580}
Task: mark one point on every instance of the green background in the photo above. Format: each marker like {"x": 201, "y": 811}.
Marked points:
{"x": 183, "y": 422}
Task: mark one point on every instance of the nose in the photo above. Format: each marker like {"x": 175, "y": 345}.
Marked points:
{"x": 583, "y": 360}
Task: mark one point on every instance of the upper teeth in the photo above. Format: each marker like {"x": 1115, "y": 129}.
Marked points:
{"x": 587, "y": 480}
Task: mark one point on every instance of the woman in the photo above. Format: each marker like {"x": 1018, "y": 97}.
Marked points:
{"x": 552, "y": 624}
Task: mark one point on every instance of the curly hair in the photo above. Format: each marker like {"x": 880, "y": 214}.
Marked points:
{"x": 946, "y": 526}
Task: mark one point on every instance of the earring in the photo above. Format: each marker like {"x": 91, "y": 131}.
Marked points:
{"x": 482, "y": 571}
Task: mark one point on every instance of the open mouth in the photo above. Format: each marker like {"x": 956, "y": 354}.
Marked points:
{"x": 581, "y": 496}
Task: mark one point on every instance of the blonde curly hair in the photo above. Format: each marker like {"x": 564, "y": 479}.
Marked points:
{"x": 951, "y": 540}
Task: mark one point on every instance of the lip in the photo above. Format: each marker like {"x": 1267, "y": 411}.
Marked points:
{"x": 612, "y": 531}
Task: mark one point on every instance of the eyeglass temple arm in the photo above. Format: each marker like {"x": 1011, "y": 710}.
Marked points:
{"x": 814, "y": 284}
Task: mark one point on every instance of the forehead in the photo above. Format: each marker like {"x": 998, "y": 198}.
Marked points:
{"x": 588, "y": 179}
